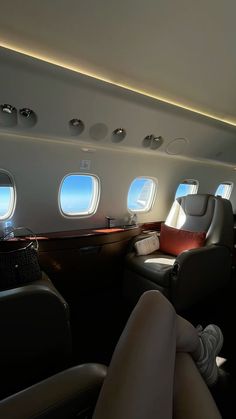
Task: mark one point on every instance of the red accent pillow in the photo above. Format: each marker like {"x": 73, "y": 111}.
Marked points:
{"x": 174, "y": 241}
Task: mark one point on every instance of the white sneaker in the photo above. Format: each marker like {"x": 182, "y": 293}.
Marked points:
{"x": 211, "y": 340}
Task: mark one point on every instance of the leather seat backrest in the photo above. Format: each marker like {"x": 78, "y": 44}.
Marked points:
{"x": 204, "y": 212}
{"x": 35, "y": 334}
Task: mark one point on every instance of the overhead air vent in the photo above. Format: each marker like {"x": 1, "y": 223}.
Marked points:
{"x": 8, "y": 115}
{"x": 27, "y": 117}
{"x": 26, "y": 112}
{"x": 153, "y": 142}
{"x": 76, "y": 126}
{"x": 118, "y": 135}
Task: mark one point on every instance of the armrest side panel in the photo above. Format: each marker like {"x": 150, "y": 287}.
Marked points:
{"x": 61, "y": 396}
{"x": 195, "y": 274}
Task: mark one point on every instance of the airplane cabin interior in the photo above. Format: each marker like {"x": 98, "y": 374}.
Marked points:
{"x": 117, "y": 176}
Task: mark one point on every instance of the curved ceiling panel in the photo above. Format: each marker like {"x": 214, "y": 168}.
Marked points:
{"x": 182, "y": 52}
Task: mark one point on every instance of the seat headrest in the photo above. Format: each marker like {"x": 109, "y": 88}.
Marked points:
{"x": 195, "y": 205}
{"x": 204, "y": 212}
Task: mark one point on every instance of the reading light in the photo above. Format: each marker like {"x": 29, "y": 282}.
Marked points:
{"x": 118, "y": 135}
{"x": 26, "y": 112}
{"x": 119, "y": 131}
{"x": 8, "y": 108}
{"x": 76, "y": 126}
{"x": 76, "y": 122}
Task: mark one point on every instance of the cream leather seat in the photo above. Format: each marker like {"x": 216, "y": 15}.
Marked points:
{"x": 193, "y": 274}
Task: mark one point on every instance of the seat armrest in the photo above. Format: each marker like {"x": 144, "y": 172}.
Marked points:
{"x": 63, "y": 395}
{"x": 43, "y": 285}
{"x": 47, "y": 283}
{"x": 195, "y": 273}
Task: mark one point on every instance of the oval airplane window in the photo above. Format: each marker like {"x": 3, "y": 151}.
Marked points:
{"x": 7, "y": 196}
{"x": 79, "y": 195}
{"x": 224, "y": 190}
{"x": 187, "y": 187}
{"x": 141, "y": 194}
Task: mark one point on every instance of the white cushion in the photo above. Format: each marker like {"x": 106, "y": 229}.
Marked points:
{"x": 148, "y": 245}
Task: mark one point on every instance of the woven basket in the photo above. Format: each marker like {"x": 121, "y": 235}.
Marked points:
{"x": 19, "y": 266}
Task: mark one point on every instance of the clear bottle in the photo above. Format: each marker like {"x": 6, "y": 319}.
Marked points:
{"x": 133, "y": 219}
{"x": 8, "y": 230}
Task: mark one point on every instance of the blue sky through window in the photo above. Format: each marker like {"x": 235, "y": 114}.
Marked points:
{"x": 182, "y": 190}
{"x": 220, "y": 190}
{"x": 76, "y": 195}
{"x": 139, "y": 194}
{"x": 5, "y": 200}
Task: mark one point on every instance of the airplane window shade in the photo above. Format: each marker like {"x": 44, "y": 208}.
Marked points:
{"x": 79, "y": 195}
{"x": 224, "y": 190}
{"x": 187, "y": 187}
{"x": 7, "y": 196}
{"x": 141, "y": 194}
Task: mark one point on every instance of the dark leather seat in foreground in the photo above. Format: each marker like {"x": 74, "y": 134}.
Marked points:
{"x": 192, "y": 275}
{"x": 69, "y": 394}
{"x": 35, "y": 335}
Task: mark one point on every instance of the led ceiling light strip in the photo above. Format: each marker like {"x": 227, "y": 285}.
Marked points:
{"x": 76, "y": 69}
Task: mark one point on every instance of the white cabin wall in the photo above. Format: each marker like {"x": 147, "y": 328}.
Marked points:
{"x": 38, "y": 167}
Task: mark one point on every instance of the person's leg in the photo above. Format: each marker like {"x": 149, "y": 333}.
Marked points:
{"x": 187, "y": 339}
{"x": 192, "y": 398}
{"x": 139, "y": 384}
{"x": 140, "y": 380}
